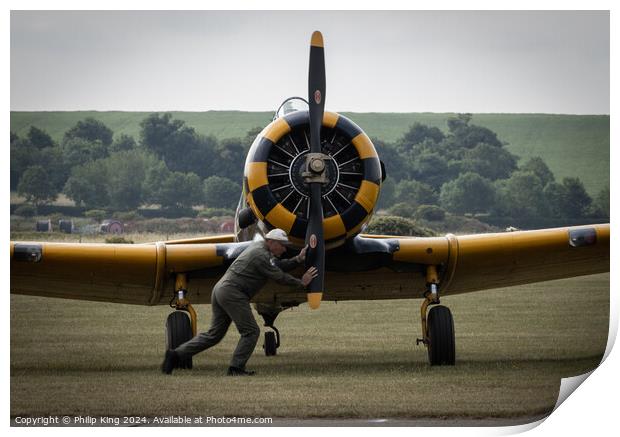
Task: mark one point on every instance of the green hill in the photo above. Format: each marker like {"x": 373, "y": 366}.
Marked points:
{"x": 572, "y": 145}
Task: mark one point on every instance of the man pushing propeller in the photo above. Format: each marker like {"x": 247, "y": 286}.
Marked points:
{"x": 230, "y": 300}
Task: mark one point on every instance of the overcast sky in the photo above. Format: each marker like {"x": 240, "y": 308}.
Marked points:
{"x": 376, "y": 61}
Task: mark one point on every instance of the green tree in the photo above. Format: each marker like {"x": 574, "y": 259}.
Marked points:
{"x": 601, "y": 204}
{"x": 521, "y": 197}
{"x": 181, "y": 148}
{"x": 52, "y": 159}
{"x": 578, "y": 199}
{"x": 88, "y": 185}
{"x": 230, "y": 155}
{"x": 156, "y": 132}
{"x": 468, "y": 193}
{"x": 430, "y": 168}
{"x": 126, "y": 178}
{"x": 79, "y": 151}
{"x": 180, "y": 190}
{"x": 395, "y": 165}
{"x": 251, "y": 135}
{"x": 488, "y": 161}
{"x": 24, "y": 154}
{"x": 39, "y": 138}
{"x": 91, "y": 130}
{"x": 537, "y": 166}
{"x": 156, "y": 175}
{"x": 123, "y": 142}
{"x": 556, "y": 197}
{"x": 569, "y": 199}
{"x": 420, "y": 137}
{"x": 386, "y": 195}
{"x": 466, "y": 136}
{"x": 36, "y": 187}
{"x": 414, "y": 193}
{"x": 221, "y": 192}
{"x": 201, "y": 158}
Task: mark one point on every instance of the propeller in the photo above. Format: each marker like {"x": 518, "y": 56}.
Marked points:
{"x": 315, "y": 169}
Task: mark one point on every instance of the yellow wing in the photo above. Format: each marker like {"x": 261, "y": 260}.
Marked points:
{"x": 123, "y": 273}
{"x": 371, "y": 267}
{"x": 483, "y": 261}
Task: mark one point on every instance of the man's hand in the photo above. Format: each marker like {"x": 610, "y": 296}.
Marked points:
{"x": 302, "y": 255}
{"x": 310, "y": 274}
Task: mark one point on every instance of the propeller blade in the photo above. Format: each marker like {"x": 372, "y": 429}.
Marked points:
{"x": 314, "y": 233}
{"x": 316, "y": 247}
{"x": 316, "y": 90}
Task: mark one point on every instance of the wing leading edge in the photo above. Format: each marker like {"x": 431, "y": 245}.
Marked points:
{"x": 122, "y": 273}
{"x": 483, "y": 261}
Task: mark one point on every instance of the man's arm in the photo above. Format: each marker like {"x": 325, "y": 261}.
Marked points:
{"x": 290, "y": 264}
{"x": 272, "y": 271}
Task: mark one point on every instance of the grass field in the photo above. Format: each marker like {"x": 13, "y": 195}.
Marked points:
{"x": 350, "y": 359}
{"x": 572, "y": 145}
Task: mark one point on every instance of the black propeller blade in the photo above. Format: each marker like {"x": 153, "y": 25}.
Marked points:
{"x": 316, "y": 169}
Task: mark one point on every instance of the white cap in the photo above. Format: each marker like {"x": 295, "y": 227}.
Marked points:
{"x": 277, "y": 235}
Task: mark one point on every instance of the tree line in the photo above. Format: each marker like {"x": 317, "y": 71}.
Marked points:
{"x": 170, "y": 165}
{"x": 463, "y": 170}
{"x": 468, "y": 170}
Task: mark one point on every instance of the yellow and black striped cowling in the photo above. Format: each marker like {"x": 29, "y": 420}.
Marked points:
{"x": 275, "y": 190}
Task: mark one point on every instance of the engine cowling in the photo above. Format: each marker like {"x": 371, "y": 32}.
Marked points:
{"x": 274, "y": 185}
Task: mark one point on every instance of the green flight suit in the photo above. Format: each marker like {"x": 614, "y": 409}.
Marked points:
{"x": 230, "y": 301}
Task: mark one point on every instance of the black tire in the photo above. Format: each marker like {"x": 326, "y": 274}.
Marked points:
{"x": 441, "y": 350}
{"x": 270, "y": 345}
{"x": 178, "y": 331}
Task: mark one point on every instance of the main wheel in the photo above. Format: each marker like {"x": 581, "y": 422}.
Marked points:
{"x": 270, "y": 345}
{"x": 441, "y": 350}
{"x": 178, "y": 331}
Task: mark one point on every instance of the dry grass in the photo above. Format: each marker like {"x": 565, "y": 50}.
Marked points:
{"x": 61, "y": 200}
{"x": 351, "y": 359}
{"x": 136, "y": 237}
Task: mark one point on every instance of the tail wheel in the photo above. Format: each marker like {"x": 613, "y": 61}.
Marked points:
{"x": 271, "y": 344}
{"x": 441, "y": 350}
{"x": 178, "y": 331}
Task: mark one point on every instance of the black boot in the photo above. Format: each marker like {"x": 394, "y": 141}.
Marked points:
{"x": 236, "y": 371}
{"x": 171, "y": 359}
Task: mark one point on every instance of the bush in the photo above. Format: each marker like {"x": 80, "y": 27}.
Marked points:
{"x": 127, "y": 216}
{"x": 216, "y": 212}
{"x": 431, "y": 213}
{"x": 392, "y": 225}
{"x": 169, "y": 213}
{"x": 175, "y": 226}
{"x": 25, "y": 211}
{"x": 96, "y": 214}
{"x": 402, "y": 209}
{"x": 64, "y": 210}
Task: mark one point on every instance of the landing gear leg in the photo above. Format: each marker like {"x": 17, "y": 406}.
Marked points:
{"x": 438, "y": 326}
{"x": 272, "y": 336}
{"x": 272, "y": 341}
{"x": 181, "y": 324}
